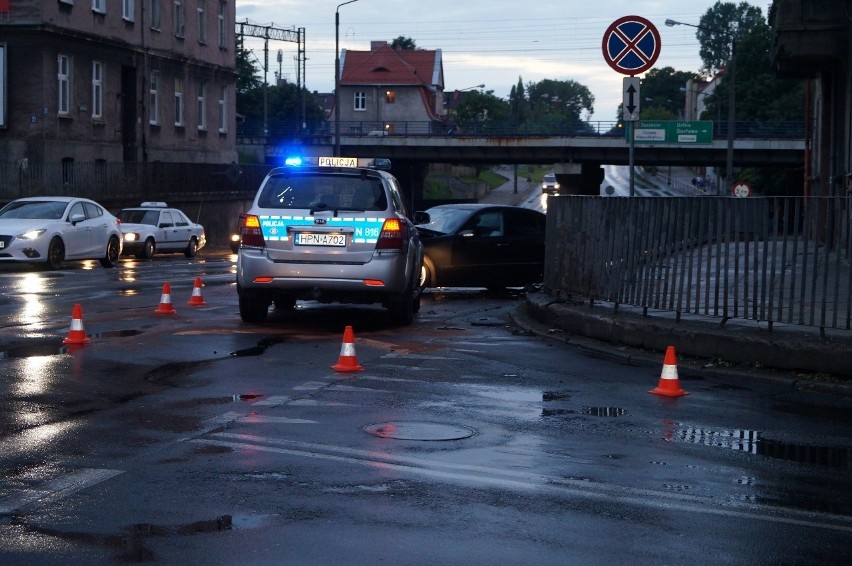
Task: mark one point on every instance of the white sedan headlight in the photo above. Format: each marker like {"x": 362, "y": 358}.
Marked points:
{"x": 31, "y": 235}
{"x": 131, "y": 237}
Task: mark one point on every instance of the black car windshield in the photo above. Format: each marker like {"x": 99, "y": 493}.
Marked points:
{"x": 445, "y": 220}
{"x": 137, "y": 216}
{"x": 38, "y": 209}
{"x": 323, "y": 192}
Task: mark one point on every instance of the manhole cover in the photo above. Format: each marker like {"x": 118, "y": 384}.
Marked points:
{"x": 420, "y": 431}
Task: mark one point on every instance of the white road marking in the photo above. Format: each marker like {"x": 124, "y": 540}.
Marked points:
{"x": 271, "y": 401}
{"x": 263, "y": 419}
{"x": 311, "y": 385}
{"x": 57, "y": 488}
{"x": 519, "y": 480}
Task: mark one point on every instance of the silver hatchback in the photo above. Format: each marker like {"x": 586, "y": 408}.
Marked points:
{"x": 333, "y": 230}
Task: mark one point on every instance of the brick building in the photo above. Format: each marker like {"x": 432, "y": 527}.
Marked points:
{"x": 104, "y": 81}
{"x": 387, "y": 91}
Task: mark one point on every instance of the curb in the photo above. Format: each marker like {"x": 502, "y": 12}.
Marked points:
{"x": 637, "y": 340}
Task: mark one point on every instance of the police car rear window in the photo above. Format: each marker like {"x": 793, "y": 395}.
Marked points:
{"x": 323, "y": 192}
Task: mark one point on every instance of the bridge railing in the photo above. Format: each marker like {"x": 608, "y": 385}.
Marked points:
{"x": 773, "y": 260}
{"x": 281, "y": 130}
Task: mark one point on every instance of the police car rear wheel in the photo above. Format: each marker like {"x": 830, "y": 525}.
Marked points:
{"x": 252, "y": 308}
{"x": 403, "y": 307}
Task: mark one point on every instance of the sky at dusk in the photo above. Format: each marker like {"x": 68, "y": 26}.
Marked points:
{"x": 494, "y": 42}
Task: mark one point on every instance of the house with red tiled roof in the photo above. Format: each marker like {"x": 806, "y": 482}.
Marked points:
{"x": 385, "y": 91}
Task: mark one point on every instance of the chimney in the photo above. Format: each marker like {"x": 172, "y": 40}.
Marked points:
{"x": 376, "y": 44}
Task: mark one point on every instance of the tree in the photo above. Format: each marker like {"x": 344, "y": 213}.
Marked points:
{"x": 721, "y": 26}
{"x": 760, "y": 98}
{"x": 283, "y": 103}
{"x": 662, "y": 98}
{"x": 479, "y": 107}
{"x": 518, "y": 101}
{"x": 561, "y": 100}
{"x": 249, "y": 92}
{"x": 404, "y": 43}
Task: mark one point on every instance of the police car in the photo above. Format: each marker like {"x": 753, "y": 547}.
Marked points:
{"x": 154, "y": 227}
{"x": 330, "y": 229}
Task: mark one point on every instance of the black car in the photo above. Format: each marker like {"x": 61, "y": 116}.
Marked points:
{"x": 481, "y": 245}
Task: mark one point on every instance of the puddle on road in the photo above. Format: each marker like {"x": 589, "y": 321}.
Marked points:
{"x": 130, "y": 543}
{"x": 555, "y": 396}
{"x": 246, "y": 397}
{"x": 604, "y": 411}
{"x": 56, "y": 347}
{"x": 556, "y": 412}
{"x": 34, "y": 350}
{"x": 261, "y": 347}
{"x": 752, "y": 442}
{"x": 117, "y": 334}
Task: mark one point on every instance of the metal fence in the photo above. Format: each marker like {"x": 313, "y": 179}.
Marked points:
{"x": 112, "y": 182}
{"x": 778, "y": 260}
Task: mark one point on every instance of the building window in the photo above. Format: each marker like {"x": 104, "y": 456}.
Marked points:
{"x": 202, "y": 105}
{"x": 127, "y": 9}
{"x": 97, "y": 89}
{"x": 360, "y": 101}
{"x": 179, "y": 22}
{"x": 154, "y": 99}
{"x": 178, "y": 101}
{"x": 223, "y": 109}
{"x": 99, "y": 6}
{"x": 202, "y": 21}
{"x": 155, "y": 14}
{"x": 223, "y": 17}
{"x": 63, "y": 77}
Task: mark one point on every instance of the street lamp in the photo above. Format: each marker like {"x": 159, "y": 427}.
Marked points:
{"x": 732, "y": 73}
{"x": 337, "y": 77}
{"x": 470, "y": 87}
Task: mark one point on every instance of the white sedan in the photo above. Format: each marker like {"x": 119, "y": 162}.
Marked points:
{"x": 50, "y": 230}
{"x": 154, "y": 227}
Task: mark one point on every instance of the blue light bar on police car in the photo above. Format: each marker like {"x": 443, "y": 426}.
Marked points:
{"x": 341, "y": 162}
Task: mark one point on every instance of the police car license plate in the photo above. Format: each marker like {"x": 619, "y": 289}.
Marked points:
{"x": 309, "y": 239}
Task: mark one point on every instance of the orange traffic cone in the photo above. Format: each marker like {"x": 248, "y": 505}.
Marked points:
{"x": 669, "y": 384}
{"x": 76, "y": 334}
{"x": 196, "y": 299}
{"x": 166, "y": 306}
{"x": 347, "y": 360}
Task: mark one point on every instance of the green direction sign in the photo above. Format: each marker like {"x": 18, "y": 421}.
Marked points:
{"x": 674, "y": 131}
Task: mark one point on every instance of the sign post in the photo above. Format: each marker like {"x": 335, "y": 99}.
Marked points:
{"x": 631, "y": 46}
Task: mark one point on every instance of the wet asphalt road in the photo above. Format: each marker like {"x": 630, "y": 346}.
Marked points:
{"x": 196, "y": 439}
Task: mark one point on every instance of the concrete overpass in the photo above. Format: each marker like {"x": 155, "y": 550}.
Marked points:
{"x": 581, "y": 156}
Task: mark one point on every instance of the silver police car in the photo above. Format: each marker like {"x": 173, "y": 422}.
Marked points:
{"x": 329, "y": 229}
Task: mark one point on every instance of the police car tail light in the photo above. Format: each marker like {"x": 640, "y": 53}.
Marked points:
{"x": 392, "y": 235}
{"x": 251, "y": 233}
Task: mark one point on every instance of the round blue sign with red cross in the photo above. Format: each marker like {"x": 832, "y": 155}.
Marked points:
{"x": 631, "y": 45}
